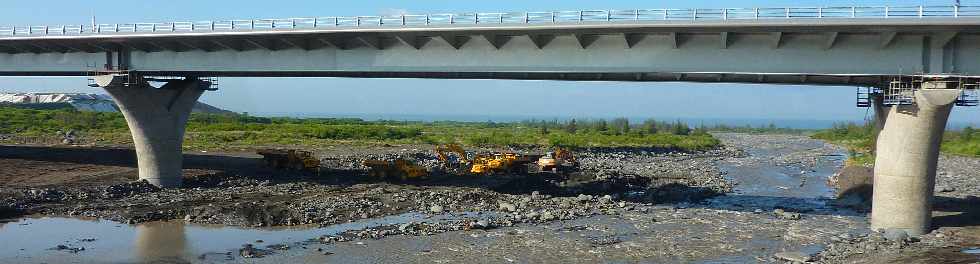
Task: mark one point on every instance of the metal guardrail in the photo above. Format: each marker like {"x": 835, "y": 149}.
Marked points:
{"x": 668, "y": 14}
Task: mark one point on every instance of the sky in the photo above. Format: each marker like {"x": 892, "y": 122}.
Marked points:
{"x": 415, "y": 97}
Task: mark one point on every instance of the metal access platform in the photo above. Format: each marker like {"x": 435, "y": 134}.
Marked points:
{"x": 134, "y": 78}
{"x": 901, "y": 91}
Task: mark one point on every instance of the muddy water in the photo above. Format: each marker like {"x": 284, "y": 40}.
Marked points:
{"x": 37, "y": 240}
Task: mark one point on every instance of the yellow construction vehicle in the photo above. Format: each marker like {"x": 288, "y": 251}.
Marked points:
{"x": 290, "y": 159}
{"x": 560, "y": 159}
{"x": 441, "y": 152}
{"x": 399, "y": 169}
{"x": 499, "y": 162}
{"x": 482, "y": 163}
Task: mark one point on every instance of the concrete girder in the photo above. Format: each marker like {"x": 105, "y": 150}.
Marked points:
{"x": 223, "y": 45}
{"x": 541, "y": 40}
{"x": 157, "y": 118}
{"x": 373, "y": 42}
{"x": 777, "y": 39}
{"x": 497, "y": 41}
{"x": 831, "y": 40}
{"x": 886, "y": 39}
{"x": 455, "y": 41}
{"x": 294, "y": 43}
{"x": 11, "y": 49}
{"x": 67, "y": 48}
{"x": 411, "y": 40}
{"x": 675, "y": 42}
{"x": 905, "y": 162}
{"x": 632, "y": 39}
{"x": 938, "y": 49}
{"x": 725, "y": 39}
{"x": 584, "y": 40}
{"x": 333, "y": 43}
{"x": 189, "y": 45}
{"x": 131, "y": 46}
{"x": 156, "y": 45}
{"x": 256, "y": 44}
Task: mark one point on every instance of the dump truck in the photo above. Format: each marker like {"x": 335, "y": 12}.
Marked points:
{"x": 290, "y": 159}
{"x": 399, "y": 169}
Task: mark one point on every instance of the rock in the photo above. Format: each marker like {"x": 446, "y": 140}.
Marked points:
{"x": 278, "y": 247}
{"x": 794, "y": 256}
{"x": 531, "y": 215}
{"x": 508, "y": 207}
{"x": 947, "y": 189}
{"x": 407, "y": 227}
{"x": 547, "y": 216}
{"x": 786, "y": 215}
{"x": 480, "y": 224}
{"x": 894, "y": 234}
{"x": 249, "y": 251}
{"x": 436, "y": 209}
{"x": 606, "y": 199}
{"x": 584, "y": 198}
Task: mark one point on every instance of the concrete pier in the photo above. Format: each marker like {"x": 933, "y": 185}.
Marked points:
{"x": 905, "y": 165}
{"x": 157, "y": 118}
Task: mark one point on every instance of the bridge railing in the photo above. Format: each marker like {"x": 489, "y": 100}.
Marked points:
{"x": 476, "y": 18}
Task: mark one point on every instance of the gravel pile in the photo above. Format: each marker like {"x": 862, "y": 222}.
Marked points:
{"x": 958, "y": 177}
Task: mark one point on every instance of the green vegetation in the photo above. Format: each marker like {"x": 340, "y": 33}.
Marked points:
{"x": 769, "y": 129}
{"x": 859, "y": 140}
{"x": 216, "y": 132}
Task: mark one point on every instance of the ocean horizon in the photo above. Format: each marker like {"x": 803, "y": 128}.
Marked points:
{"x": 782, "y": 123}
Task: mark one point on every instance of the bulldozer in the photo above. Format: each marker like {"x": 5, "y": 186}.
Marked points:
{"x": 290, "y": 159}
{"x": 399, "y": 169}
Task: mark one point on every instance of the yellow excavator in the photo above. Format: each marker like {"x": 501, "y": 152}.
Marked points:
{"x": 481, "y": 163}
{"x": 442, "y": 153}
{"x": 400, "y": 169}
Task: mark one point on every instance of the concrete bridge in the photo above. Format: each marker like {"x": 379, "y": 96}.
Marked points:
{"x": 917, "y": 62}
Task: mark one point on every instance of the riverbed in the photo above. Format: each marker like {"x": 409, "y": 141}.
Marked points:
{"x": 781, "y": 208}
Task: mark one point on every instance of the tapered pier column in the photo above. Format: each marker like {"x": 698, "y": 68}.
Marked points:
{"x": 157, "y": 118}
{"x": 905, "y": 165}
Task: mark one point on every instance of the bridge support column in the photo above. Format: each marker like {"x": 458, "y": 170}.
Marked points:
{"x": 905, "y": 165}
{"x": 157, "y": 118}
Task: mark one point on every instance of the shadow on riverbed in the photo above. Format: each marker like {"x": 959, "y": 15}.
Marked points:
{"x": 957, "y": 212}
{"x": 121, "y": 157}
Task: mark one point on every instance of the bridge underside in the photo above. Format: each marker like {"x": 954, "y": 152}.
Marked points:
{"x": 842, "y": 53}
{"x": 801, "y": 79}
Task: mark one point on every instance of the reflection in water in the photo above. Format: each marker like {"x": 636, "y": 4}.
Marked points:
{"x": 164, "y": 241}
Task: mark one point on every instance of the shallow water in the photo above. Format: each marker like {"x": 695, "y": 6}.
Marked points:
{"x": 35, "y": 240}
{"x": 765, "y": 185}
